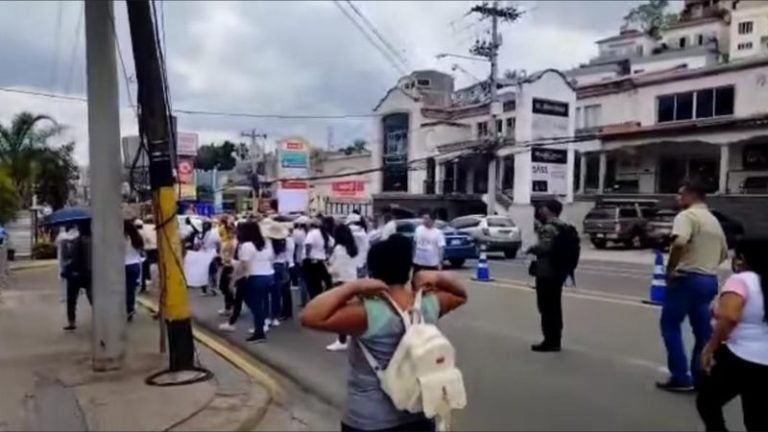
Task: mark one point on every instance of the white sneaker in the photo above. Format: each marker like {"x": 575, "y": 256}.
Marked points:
{"x": 227, "y": 327}
{"x": 266, "y": 328}
{"x": 267, "y": 322}
{"x": 224, "y": 312}
{"x": 336, "y": 346}
{"x": 275, "y": 323}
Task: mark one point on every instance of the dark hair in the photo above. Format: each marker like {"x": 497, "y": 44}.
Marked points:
{"x": 343, "y": 236}
{"x": 279, "y": 245}
{"x": 427, "y": 213}
{"x": 695, "y": 187}
{"x": 250, "y": 231}
{"x": 388, "y": 216}
{"x": 327, "y": 226}
{"x": 130, "y": 231}
{"x": 554, "y": 206}
{"x": 390, "y": 260}
{"x": 753, "y": 251}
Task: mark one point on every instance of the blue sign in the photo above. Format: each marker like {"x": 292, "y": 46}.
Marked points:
{"x": 292, "y": 159}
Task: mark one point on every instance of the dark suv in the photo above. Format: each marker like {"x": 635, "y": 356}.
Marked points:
{"x": 620, "y": 222}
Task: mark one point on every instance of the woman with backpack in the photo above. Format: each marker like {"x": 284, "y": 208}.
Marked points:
{"x": 134, "y": 248}
{"x": 343, "y": 264}
{"x": 364, "y": 309}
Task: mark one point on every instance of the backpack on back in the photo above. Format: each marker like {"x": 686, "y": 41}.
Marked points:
{"x": 566, "y": 250}
{"x": 422, "y": 375}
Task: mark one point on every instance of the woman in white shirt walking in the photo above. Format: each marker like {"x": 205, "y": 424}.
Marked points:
{"x": 317, "y": 245}
{"x": 359, "y": 232}
{"x": 736, "y": 356}
{"x": 344, "y": 268}
{"x": 278, "y": 236}
{"x": 134, "y": 245}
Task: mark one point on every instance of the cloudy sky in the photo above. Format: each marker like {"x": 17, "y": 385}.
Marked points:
{"x": 281, "y": 58}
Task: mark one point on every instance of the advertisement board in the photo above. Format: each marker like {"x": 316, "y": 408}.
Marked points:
{"x": 293, "y": 163}
{"x": 348, "y": 190}
{"x": 550, "y": 119}
{"x": 549, "y": 171}
{"x": 186, "y": 144}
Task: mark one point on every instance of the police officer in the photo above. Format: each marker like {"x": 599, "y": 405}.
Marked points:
{"x": 549, "y": 280}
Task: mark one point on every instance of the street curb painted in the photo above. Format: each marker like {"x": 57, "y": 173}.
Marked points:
{"x": 235, "y": 357}
{"x": 32, "y": 265}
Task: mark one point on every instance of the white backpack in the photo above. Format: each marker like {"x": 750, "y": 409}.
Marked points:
{"x": 422, "y": 375}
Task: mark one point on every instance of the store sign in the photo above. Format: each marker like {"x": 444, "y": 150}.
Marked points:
{"x": 186, "y": 171}
{"x": 294, "y": 159}
{"x": 550, "y": 107}
{"x": 550, "y": 119}
{"x": 348, "y": 189}
{"x": 549, "y": 171}
{"x": 187, "y": 191}
{"x": 186, "y": 144}
{"x": 294, "y": 184}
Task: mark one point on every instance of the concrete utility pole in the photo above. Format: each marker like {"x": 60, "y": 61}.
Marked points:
{"x": 254, "y": 135}
{"x": 108, "y": 244}
{"x": 490, "y": 51}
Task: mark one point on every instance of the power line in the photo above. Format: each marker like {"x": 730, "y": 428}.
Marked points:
{"x": 75, "y": 45}
{"x": 381, "y": 38}
{"x": 392, "y": 61}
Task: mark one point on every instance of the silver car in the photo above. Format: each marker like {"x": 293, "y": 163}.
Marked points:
{"x": 496, "y": 233}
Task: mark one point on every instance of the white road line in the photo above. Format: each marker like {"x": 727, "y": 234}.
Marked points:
{"x": 603, "y": 271}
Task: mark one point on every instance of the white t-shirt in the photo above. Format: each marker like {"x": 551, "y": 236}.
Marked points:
{"x": 150, "y": 236}
{"x": 362, "y": 243}
{"x": 428, "y": 243}
{"x": 286, "y": 257}
{"x": 343, "y": 268}
{"x": 210, "y": 241}
{"x": 389, "y": 229}
{"x": 317, "y": 245}
{"x": 299, "y": 236}
{"x": 749, "y": 339}
{"x": 132, "y": 255}
{"x": 260, "y": 262}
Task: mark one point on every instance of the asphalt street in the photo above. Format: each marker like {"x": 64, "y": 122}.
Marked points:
{"x": 603, "y": 380}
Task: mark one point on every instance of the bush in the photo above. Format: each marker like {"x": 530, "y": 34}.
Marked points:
{"x": 44, "y": 250}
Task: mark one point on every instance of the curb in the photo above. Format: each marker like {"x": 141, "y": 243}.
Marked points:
{"x": 32, "y": 265}
{"x": 235, "y": 357}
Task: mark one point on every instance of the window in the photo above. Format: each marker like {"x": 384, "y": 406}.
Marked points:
{"x": 508, "y": 106}
{"x": 639, "y": 71}
{"x": 745, "y": 27}
{"x": 423, "y": 83}
{"x": 682, "y": 42}
{"x": 482, "y": 129}
{"x": 499, "y": 127}
{"x": 700, "y": 39}
{"x": 639, "y": 50}
{"x": 468, "y": 222}
{"x": 500, "y": 222}
{"x": 579, "y": 120}
{"x": 704, "y": 103}
{"x": 511, "y": 127}
{"x": 744, "y": 46}
{"x": 592, "y": 115}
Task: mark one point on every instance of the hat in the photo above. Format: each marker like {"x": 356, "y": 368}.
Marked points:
{"x": 274, "y": 230}
{"x": 301, "y": 220}
{"x": 353, "y": 218}
{"x": 138, "y": 223}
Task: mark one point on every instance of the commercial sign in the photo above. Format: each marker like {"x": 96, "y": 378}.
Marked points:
{"x": 186, "y": 171}
{"x": 293, "y": 164}
{"x": 549, "y": 171}
{"x": 550, "y": 119}
{"x": 348, "y": 189}
{"x": 186, "y": 144}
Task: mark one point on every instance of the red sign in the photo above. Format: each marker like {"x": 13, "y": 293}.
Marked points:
{"x": 348, "y": 189}
{"x": 291, "y": 145}
{"x": 294, "y": 184}
{"x": 186, "y": 171}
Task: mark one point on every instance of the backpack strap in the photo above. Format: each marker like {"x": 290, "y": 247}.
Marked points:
{"x": 371, "y": 361}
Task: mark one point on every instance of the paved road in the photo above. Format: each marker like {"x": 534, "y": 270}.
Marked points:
{"x": 603, "y": 380}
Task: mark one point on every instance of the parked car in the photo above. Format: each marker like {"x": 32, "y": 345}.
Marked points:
{"x": 496, "y": 233}
{"x": 459, "y": 247}
{"x": 660, "y": 227}
{"x": 619, "y": 222}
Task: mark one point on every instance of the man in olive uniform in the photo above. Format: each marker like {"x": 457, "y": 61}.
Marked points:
{"x": 549, "y": 280}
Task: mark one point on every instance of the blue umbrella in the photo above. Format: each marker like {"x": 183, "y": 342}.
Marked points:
{"x": 68, "y": 215}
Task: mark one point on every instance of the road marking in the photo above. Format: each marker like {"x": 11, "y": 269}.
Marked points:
{"x": 604, "y": 271}
{"x": 578, "y": 290}
{"x": 601, "y": 298}
{"x": 227, "y": 352}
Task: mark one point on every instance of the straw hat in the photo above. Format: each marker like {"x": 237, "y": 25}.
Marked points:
{"x": 274, "y": 230}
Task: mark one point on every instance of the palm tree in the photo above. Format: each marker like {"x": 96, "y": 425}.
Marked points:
{"x": 20, "y": 144}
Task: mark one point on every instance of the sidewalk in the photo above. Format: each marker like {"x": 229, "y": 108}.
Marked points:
{"x": 48, "y": 383}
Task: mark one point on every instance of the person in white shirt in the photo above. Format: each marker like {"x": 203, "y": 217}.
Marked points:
{"x": 255, "y": 263}
{"x": 299, "y": 237}
{"x": 147, "y": 230}
{"x": 278, "y": 235}
{"x": 65, "y": 233}
{"x": 429, "y": 246}
{"x": 134, "y": 245}
{"x": 357, "y": 225}
{"x": 317, "y": 245}
{"x": 209, "y": 243}
{"x": 389, "y": 228}
{"x": 344, "y": 268}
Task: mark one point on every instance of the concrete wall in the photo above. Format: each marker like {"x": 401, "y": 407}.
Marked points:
{"x": 693, "y": 61}
{"x": 718, "y": 29}
{"x": 757, "y": 12}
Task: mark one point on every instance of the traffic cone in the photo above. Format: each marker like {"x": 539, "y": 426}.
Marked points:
{"x": 658, "y": 281}
{"x": 482, "y": 272}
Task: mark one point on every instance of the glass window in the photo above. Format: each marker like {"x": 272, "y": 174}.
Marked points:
{"x": 592, "y": 116}
{"x": 511, "y": 127}
{"x": 627, "y": 213}
{"x": 724, "y": 101}
{"x": 605, "y": 213}
{"x": 500, "y": 222}
{"x": 508, "y": 106}
{"x": 423, "y": 83}
{"x": 744, "y": 46}
{"x": 683, "y": 42}
{"x": 684, "y": 106}
{"x": 705, "y": 103}
{"x": 499, "y": 126}
{"x": 666, "y": 108}
{"x": 745, "y": 27}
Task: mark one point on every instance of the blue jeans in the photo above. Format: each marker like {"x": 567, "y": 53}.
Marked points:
{"x": 132, "y": 275}
{"x": 256, "y": 297}
{"x": 273, "y": 305}
{"x": 691, "y": 295}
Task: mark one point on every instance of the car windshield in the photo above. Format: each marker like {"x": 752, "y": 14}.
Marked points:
{"x": 604, "y": 213}
{"x": 500, "y": 222}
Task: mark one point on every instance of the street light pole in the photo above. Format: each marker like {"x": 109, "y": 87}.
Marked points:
{"x": 108, "y": 244}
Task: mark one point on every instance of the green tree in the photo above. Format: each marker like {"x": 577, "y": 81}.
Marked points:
{"x": 21, "y": 143}
{"x": 357, "y": 146}
{"x": 212, "y": 156}
{"x": 56, "y": 172}
{"x": 651, "y": 17}
{"x": 9, "y": 199}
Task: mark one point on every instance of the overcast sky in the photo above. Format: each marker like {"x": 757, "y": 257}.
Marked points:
{"x": 282, "y": 57}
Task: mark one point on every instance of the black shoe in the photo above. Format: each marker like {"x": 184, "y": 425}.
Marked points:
{"x": 257, "y": 339}
{"x": 674, "y": 386}
{"x": 70, "y": 327}
{"x": 545, "y": 347}
{"x": 130, "y": 316}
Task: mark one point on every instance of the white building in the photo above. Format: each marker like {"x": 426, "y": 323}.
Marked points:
{"x": 341, "y": 195}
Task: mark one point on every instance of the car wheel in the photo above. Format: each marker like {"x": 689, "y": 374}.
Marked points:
{"x": 598, "y": 243}
{"x": 510, "y": 253}
{"x": 457, "y": 263}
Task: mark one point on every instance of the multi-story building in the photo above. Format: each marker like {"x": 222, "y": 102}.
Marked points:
{"x": 347, "y": 192}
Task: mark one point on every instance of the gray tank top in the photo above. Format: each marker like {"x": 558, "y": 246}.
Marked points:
{"x": 368, "y": 407}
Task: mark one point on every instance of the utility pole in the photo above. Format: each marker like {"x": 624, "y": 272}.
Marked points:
{"x": 155, "y": 126}
{"x": 256, "y": 153}
{"x": 107, "y": 242}
{"x": 490, "y": 51}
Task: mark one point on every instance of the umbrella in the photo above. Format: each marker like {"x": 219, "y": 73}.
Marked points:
{"x": 68, "y": 215}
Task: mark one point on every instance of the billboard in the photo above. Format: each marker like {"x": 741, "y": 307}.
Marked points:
{"x": 550, "y": 119}
{"x": 348, "y": 190}
{"x": 549, "y": 171}
{"x": 186, "y": 144}
{"x": 293, "y": 163}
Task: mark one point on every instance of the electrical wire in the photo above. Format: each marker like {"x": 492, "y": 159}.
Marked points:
{"x": 381, "y": 38}
{"x": 392, "y": 61}
{"x": 75, "y": 46}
